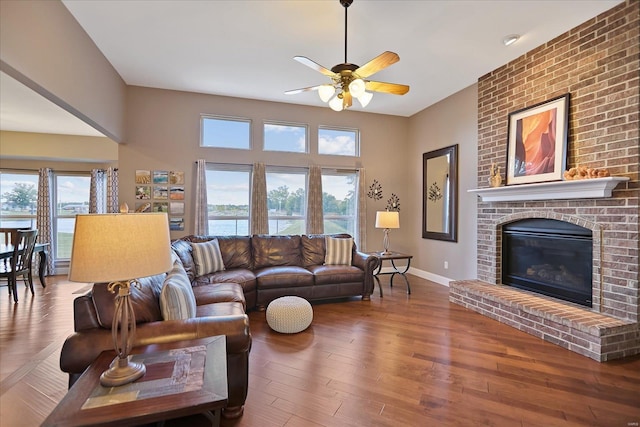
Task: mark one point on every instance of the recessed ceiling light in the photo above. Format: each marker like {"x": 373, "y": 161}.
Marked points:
{"x": 510, "y": 39}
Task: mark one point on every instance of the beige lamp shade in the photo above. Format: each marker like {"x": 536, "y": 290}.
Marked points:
{"x": 119, "y": 247}
{"x": 387, "y": 219}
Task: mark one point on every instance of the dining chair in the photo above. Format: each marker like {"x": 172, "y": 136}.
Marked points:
{"x": 20, "y": 262}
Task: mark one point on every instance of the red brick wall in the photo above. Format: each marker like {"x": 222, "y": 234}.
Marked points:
{"x": 598, "y": 64}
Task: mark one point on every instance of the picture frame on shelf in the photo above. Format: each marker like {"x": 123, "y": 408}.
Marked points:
{"x": 537, "y": 142}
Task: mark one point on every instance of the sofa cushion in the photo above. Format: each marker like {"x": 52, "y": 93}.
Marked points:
{"x": 243, "y": 277}
{"x": 177, "y": 300}
{"x": 329, "y": 274}
{"x": 145, "y": 301}
{"x": 236, "y": 251}
{"x": 283, "y": 277}
{"x": 207, "y": 257}
{"x": 270, "y": 251}
{"x": 338, "y": 251}
{"x": 183, "y": 249}
{"x": 312, "y": 249}
{"x": 219, "y": 292}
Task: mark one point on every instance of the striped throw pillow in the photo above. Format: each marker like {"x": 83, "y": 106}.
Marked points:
{"x": 177, "y": 300}
{"x": 338, "y": 251}
{"x": 207, "y": 257}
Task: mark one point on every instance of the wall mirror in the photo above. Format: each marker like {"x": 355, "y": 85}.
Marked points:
{"x": 440, "y": 194}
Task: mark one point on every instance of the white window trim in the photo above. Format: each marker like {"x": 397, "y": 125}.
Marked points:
{"x": 203, "y": 117}
{"x": 345, "y": 129}
{"x": 289, "y": 124}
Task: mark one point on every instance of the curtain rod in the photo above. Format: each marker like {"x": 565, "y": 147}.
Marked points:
{"x": 336, "y": 168}
{"x": 54, "y": 170}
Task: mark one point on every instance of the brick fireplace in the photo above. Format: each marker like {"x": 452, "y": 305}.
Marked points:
{"x": 598, "y": 64}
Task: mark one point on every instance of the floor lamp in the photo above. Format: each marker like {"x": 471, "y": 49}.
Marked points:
{"x": 118, "y": 249}
{"x": 387, "y": 220}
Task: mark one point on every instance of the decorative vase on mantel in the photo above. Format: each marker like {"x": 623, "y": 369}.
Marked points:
{"x": 495, "y": 179}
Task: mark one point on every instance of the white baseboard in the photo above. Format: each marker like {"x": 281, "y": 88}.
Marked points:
{"x": 441, "y": 280}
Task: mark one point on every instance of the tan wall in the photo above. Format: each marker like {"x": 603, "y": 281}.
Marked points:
{"x": 164, "y": 133}
{"x": 448, "y": 122}
{"x": 44, "y": 47}
{"x": 60, "y": 148}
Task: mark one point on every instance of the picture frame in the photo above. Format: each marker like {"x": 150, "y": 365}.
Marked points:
{"x": 537, "y": 142}
{"x": 143, "y": 176}
{"x": 440, "y": 194}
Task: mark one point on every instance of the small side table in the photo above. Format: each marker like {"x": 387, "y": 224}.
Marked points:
{"x": 182, "y": 378}
{"x": 393, "y": 256}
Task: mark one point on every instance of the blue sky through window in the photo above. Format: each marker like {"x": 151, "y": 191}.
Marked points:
{"x": 226, "y": 133}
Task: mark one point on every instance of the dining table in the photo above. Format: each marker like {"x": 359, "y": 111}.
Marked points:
{"x": 6, "y": 251}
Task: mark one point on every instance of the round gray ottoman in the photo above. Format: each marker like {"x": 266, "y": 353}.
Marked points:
{"x": 289, "y": 315}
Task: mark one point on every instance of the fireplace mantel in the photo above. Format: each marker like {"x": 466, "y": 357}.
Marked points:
{"x": 576, "y": 189}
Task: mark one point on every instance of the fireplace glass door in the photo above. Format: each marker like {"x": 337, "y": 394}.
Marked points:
{"x": 550, "y": 257}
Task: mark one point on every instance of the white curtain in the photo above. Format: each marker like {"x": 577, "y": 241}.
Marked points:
{"x": 315, "y": 216}
{"x": 362, "y": 212}
{"x": 201, "y": 215}
{"x": 44, "y": 215}
{"x": 259, "y": 219}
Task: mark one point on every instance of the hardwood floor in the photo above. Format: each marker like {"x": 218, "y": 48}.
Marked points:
{"x": 397, "y": 361}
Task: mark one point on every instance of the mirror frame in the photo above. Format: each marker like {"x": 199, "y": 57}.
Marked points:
{"x": 452, "y": 207}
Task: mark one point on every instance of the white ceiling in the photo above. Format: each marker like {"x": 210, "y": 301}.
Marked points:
{"x": 245, "y": 48}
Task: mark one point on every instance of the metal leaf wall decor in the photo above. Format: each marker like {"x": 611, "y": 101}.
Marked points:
{"x": 375, "y": 190}
{"x": 393, "y": 204}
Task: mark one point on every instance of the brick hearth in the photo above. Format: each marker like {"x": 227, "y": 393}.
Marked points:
{"x": 568, "y": 325}
{"x": 597, "y": 63}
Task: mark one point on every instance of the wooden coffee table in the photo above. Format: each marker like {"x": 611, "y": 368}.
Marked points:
{"x": 183, "y": 378}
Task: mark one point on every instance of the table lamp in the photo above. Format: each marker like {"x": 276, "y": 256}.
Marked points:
{"x": 387, "y": 220}
{"x": 119, "y": 249}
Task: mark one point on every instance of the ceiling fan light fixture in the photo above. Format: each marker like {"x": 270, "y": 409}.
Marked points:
{"x": 326, "y": 92}
{"x": 365, "y": 98}
{"x": 336, "y": 104}
{"x": 357, "y": 87}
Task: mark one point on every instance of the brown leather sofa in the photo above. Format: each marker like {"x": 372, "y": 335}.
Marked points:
{"x": 257, "y": 270}
{"x": 220, "y": 310}
{"x": 269, "y": 267}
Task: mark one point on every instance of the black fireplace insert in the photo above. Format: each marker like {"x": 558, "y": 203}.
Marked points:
{"x": 548, "y": 256}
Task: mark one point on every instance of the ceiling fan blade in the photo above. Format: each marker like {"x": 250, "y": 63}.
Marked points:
{"x": 378, "y": 63}
{"x": 304, "y": 89}
{"x": 309, "y": 63}
{"x": 392, "y": 88}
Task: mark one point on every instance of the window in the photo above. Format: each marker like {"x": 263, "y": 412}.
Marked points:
{"x": 18, "y": 199}
{"x": 71, "y": 197}
{"x": 228, "y": 195}
{"x": 286, "y": 200}
{"x": 285, "y": 137}
{"x": 340, "y": 201}
{"x": 225, "y": 132}
{"x": 339, "y": 142}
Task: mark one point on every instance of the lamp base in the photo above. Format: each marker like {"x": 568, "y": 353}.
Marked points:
{"x": 121, "y": 372}
{"x": 385, "y": 252}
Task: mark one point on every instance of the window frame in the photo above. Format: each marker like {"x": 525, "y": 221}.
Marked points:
{"x": 248, "y": 121}
{"x": 227, "y": 167}
{"x": 285, "y": 124}
{"x": 55, "y": 244}
{"x": 32, "y": 218}
{"x": 355, "y": 216}
{"x": 356, "y": 147}
{"x": 303, "y": 217}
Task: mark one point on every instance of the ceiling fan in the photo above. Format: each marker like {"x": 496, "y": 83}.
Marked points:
{"x": 349, "y": 80}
